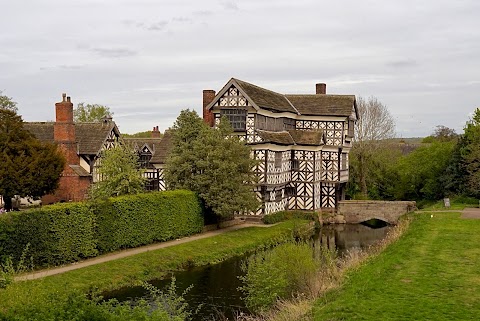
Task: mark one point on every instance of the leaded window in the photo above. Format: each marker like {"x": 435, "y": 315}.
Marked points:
{"x": 236, "y": 117}
{"x": 278, "y": 159}
{"x": 288, "y": 123}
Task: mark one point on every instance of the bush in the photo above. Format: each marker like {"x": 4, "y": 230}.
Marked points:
{"x": 163, "y": 306}
{"x": 277, "y": 273}
{"x": 130, "y": 221}
{"x": 69, "y": 232}
{"x": 57, "y": 234}
{"x": 289, "y": 215}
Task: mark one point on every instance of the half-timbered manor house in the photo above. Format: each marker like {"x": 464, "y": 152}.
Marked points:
{"x": 81, "y": 144}
{"x": 302, "y": 142}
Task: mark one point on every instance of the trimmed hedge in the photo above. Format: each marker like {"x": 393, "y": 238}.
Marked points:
{"x": 289, "y": 215}
{"x": 69, "y": 232}
{"x": 158, "y": 217}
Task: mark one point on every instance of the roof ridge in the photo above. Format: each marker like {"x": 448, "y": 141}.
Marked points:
{"x": 319, "y": 95}
{"x": 291, "y": 104}
{"x": 239, "y": 80}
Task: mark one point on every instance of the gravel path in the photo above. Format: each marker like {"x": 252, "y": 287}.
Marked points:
{"x": 129, "y": 252}
{"x": 472, "y": 213}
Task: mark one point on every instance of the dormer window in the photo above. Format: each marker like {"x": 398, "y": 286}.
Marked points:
{"x": 144, "y": 158}
{"x": 236, "y": 117}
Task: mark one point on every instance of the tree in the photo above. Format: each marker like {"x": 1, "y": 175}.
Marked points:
{"x": 90, "y": 112}
{"x": 372, "y": 130}
{"x": 421, "y": 172}
{"x": 120, "y": 174}
{"x": 27, "y": 166}
{"x": 7, "y": 103}
{"x": 469, "y": 150}
{"x": 214, "y": 163}
{"x": 441, "y": 134}
{"x": 145, "y": 134}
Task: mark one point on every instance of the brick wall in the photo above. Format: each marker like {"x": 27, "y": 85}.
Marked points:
{"x": 71, "y": 187}
{"x": 208, "y": 96}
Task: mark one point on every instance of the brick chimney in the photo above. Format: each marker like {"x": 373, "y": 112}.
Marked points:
{"x": 208, "y": 96}
{"x": 64, "y": 130}
{"x": 321, "y": 89}
{"x": 155, "y": 132}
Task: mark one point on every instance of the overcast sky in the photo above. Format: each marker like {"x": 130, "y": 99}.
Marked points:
{"x": 148, "y": 59}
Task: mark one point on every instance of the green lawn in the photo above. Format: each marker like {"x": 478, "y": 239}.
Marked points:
{"x": 144, "y": 266}
{"x": 431, "y": 273}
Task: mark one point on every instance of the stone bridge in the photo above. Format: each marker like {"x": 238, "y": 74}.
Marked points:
{"x": 361, "y": 211}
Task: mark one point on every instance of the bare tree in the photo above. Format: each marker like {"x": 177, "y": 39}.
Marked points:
{"x": 372, "y": 130}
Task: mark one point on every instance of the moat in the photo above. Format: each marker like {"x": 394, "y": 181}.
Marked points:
{"x": 215, "y": 287}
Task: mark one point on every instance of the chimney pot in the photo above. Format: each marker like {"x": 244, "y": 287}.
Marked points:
{"x": 321, "y": 89}
{"x": 68, "y": 99}
{"x": 63, "y": 96}
{"x": 155, "y": 132}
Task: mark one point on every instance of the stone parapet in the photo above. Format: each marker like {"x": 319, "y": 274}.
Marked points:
{"x": 361, "y": 211}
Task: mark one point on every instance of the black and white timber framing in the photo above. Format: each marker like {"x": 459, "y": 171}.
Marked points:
{"x": 302, "y": 143}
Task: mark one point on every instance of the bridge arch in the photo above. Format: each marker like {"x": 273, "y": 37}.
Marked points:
{"x": 360, "y": 211}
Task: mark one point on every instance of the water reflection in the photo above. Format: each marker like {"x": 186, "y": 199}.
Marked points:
{"x": 343, "y": 237}
{"x": 215, "y": 287}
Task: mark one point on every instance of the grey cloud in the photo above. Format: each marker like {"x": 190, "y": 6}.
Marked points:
{"x": 402, "y": 63}
{"x": 203, "y": 13}
{"x": 63, "y": 67}
{"x": 229, "y": 5}
{"x": 157, "y": 26}
{"x": 182, "y": 19}
{"x": 114, "y": 52}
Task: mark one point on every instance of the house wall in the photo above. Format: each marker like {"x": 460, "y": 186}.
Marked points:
{"x": 71, "y": 188}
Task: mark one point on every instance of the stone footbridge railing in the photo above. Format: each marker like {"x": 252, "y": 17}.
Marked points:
{"x": 361, "y": 211}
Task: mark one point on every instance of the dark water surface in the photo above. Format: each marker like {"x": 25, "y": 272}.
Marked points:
{"x": 215, "y": 287}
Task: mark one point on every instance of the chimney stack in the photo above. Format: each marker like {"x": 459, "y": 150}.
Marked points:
{"x": 208, "y": 97}
{"x": 155, "y": 132}
{"x": 321, "y": 89}
{"x": 64, "y": 130}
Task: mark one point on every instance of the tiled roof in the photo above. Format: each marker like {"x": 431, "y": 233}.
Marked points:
{"x": 292, "y": 137}
{"x": 43, "y": 131}
{"x": 137, "y": 143}
{"x": 90, "y": 136}
{"x": 265, "y": 98}
{"x": 307, "y": 137}
{"x": 163, "y": 149}
{"x": 79, "y": 170}
{"x": 330, "y": 105}
{"x": 282, "y": 138}
{"x": 308, "y": 104}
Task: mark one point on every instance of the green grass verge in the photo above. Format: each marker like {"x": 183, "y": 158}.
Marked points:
{"x": 456, "y": 203}
{"x": 431, "y": 273}
{"x": 145, "y": 266}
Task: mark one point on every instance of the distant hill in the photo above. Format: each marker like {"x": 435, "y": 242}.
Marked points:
{"x": 411, "y": 140}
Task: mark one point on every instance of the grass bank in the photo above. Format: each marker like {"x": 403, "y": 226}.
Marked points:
{"x": 144, "y": 266}
{"x": 431, "y": 273}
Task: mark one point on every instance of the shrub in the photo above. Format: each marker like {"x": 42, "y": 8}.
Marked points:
{"x": 163, "y": 306}
{"x": 277, "y": 273}
{"x": 68, "y": 232}
{"x": 57, "y": 234}
{"x": 130, "y": 221}
{"x": 289, "y": 215}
